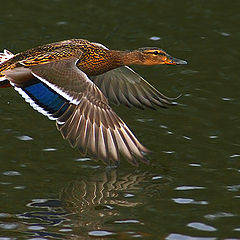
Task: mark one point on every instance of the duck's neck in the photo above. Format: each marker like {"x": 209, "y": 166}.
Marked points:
{"x": 128, "y": 57}
{"x": 103, "y": 61}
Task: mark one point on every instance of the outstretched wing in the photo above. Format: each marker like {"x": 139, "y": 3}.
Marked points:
{"x": 123, "y": 85}
{"x": 64, "y": 93}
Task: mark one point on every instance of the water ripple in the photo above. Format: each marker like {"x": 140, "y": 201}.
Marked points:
{"x": 194, "y": 164}
{"x": 233, "y": 188}
{"x": 25, "y": 138}
{"x": 175, "y": 236}
{"x": 188, "y": 201}
{"x": 127, "y": 221}
{"x": 8, "y": 226}
{"x": 154, "y": 38}
{"x": 36, "y": 228}
{"x": 49, "y": 149}
{"x": 157, "y": 177}
{"x": 218, "y": 215}
{"x": 235, "y": 156}
{"x": 100, "y": 233}
{"x": 202, "y": 226}
{"x": 184, "y": 188}
{"x": 11, "y": 173}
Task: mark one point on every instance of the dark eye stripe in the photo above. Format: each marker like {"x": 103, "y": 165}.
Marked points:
{"x": 155, "y": 53}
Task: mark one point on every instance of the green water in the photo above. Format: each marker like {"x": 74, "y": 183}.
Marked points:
{"x": 191, "y": 190}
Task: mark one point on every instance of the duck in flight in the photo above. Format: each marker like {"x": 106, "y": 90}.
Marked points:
{"x": 72, "y": 82}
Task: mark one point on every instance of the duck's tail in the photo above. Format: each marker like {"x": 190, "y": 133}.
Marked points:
{"x": 4, "y": 57}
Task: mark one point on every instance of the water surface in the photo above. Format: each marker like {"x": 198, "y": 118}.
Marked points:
{"x": 191, "y": 190}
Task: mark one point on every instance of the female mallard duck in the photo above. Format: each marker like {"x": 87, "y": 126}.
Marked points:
{"x": 71, "y": 82}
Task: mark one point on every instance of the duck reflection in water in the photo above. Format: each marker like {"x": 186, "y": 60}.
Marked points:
{"x": 93, "y": 204}
{"x": 94, "y": 201}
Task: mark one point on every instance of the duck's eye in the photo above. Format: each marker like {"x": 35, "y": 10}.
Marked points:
{"x": 155, "y": 52}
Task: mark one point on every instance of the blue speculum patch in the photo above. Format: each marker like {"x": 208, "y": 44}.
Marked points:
{"x": 46, "y": 97}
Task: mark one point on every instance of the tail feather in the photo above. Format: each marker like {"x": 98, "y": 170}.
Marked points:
{"x": 5, "y": 56}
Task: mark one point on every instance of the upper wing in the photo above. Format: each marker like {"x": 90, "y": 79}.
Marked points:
{"x": 64, "y": 93}
{"x": 123, "y": 85}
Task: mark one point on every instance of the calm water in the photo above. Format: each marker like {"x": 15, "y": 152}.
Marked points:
{"x": 191, "y": 190}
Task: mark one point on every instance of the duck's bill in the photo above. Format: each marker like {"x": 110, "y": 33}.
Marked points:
{"x": 175, "y": 61}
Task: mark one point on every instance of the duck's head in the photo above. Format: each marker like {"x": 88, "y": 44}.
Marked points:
{"x": 153, "y": 56}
